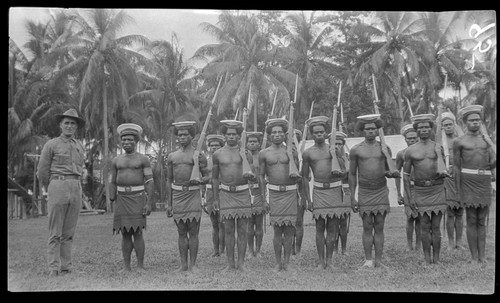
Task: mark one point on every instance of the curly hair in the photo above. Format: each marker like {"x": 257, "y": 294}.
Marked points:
{"x": 415, "y": 125}
{"x": 325, "y": 125}
{"x": 191, "y": 131}
{"x": 360, "y": 125}
{"x": 224, "y": 128}
{"x": 283, "y": 127}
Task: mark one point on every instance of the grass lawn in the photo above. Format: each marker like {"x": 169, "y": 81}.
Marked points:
{"x": 97, "y": 260}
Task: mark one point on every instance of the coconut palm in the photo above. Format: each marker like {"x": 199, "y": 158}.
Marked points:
{"x": 241, "y": 57}
{"x": 104, "y": 75}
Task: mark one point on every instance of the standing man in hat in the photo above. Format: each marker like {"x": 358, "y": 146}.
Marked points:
{"x": 214, "y": 142}
{"x": 131, "y": 174}
{"x": 474, "y": 170}
{"x": 183, "y": 195}
{"x": 328, "y": 207}
{"x": 428, "y": 197}
{"x": 368, "y": 168}
{"x": 344, "y": 220}
{"x": 233, "y": 200}
{"x": 255, "y": 224}
{"x": 59, "y": 171}
{"x": 412, "y": 219}
{"x": 455, "y": 211}
{"x": 274, "y": 163}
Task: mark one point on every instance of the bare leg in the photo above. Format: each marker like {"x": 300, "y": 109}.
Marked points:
{"x": 481, "y": 232}
{"x": 183, "y": 243}
{"x": 378, "y": 237}
{"x": 367, "y": 237}
{"x": 409, "y": 231}
{"x": 332, "y": 234}
{"x": 214, "y": 218}
{"x": 251, "y": 235}
{"x": 242, "y": 227}
{"x": 299, "y": 228}
{"x": 436, "y": 236}
{"x": 459, "y": 227}
{"x": 194, "y": 229}
{"x": 277, "y": 244}
{"x": 229, "y": 227}
{"x": 222, "y": 235}
{"x": 343, "y": 232}
{"x": 471, "y": 213}
{"x": 140, "y": 248}
{"x": 450, "y": 227}
{"x": 320, "y": 241}
{"x": 418, "y": 233}
{"x": 287, "y": 244}
{"x": 127, "y": 247}
{"x": 425, "y": 223}
{"x": 259, "y": 233}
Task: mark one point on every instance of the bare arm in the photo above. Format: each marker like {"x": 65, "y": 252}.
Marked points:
{"x": 215, "y": 180}
{"x": 406, "y": 178}
{"x": 397, "y": 180}
{"x": 149, "y": 184}
{"x": 305, "y": 178}
{"x": 457, "y": 166}
{"x": 262, "y": 178}
{"x": 170, "y": 179}
{"x": 112, "y": 183}
{"x": 353, "y": 178}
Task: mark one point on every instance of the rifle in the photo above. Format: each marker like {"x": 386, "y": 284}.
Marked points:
{"x": 340, "y": 127}
{"x": 409, "y": 107}
{"x": 247, "y": 170}
{"x": 388, "y": 159}
{"x": 441, "y": 136}
{"x": 304, "y": 133}
{"x": 336, "y": 169}
{"x": 195, "y": 173}
{"x": 293, "y": 170}
{"x": 264, "y": 139}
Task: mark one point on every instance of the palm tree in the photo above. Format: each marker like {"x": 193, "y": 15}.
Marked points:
{"x": 241, "y": 56}
{"x": 163, "y": 98}
{"x": 105, "y": 77}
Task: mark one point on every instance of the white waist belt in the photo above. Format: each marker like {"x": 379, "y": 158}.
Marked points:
{"x": 327, "y": 185}
{"x": 185, "y": 187}
{"x": 254, "y": 185}
{"x": 282, "y": 187}
{"x": 127, "y": 189}
{"x": 234, "y": 187}
{"x": 476, "y": 171}
{"x": 346, "y": 185}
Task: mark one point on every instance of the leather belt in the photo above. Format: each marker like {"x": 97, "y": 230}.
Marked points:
{"x": 476, "y": 171}
{"x": 281, "y": 187}
{"x": 426, "y": 183}
{"x": 326, "y": 185}
{"x": 185, "y": 187}
{"x": 127, "y": 189}
{"x": 64, "y": 177}
{"x": 233, "y": 188}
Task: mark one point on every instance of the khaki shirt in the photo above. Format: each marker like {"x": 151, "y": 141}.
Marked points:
{"x": 60, "y": 156}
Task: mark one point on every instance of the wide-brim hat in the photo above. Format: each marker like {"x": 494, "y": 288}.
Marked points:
{"x": 71, "y": 113}
{"x": 276, "y": 122}
{"x": 422, "y": 118}
{"x": 322, "y": 120}
{"x": 471, "y": 109}
{"x": 254, "y": 134}
{"x": 231, "y": 123}
{"x": 129, "y": 129}
{"x": 340, "y": 135}
{"x": 184, "y": 124}
{"x": 406, "y": 129}
{"x": 371, "y": 118}
{"x": 448, "y": 115}
{"x": 215, "y": 137}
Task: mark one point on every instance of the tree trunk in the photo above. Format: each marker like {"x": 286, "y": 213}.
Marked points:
{"x": 105, "y": 151}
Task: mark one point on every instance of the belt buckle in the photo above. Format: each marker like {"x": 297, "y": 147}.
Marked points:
{"x": 232, "y": 187}
{"x": 326, "y": 185}
{"x": 128, "y": 189}
{"x": 185, "y": 188}
{"x": 427, "y": 183}
{"x": 481, "y": 172}
{"x": 282, "y": 187}
{"x": 250, "y": 185}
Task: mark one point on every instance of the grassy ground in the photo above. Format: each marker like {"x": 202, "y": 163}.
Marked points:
{"x": 97, "y": 261}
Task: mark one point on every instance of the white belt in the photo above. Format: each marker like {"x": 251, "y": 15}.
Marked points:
{"x": 126, "y": 189}
{"x": 327, "y": 185}
{"x": 185, "y": 187}
{"x": 476, "y": 171}
{"x": 254, "y": 185}
{"x": 234, "y": 187}
{"x": 345, "y": 185}
{"x": 282, "y": 187}
{"x": 209, "y": 186}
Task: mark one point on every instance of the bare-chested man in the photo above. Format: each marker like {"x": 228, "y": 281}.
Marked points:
{"x": 344, "y": 220}
{"x": 368, "y": 161}
{"x": 255, "y": 224}
{"x": 283, "y": 195}
{"x": 455, "y": 211}
{"x": 428, "y": 197}
{"x": 412, "y": 219}
{"x": 329, "y": 206}
{"x": 130, "y": 173}
{"x": 214, "y": 142}
{"x": 233, "y": 200}
{"x": 474, "y": 170}
{"x": 183, "y": 195}
{"x": 301, "y": 208}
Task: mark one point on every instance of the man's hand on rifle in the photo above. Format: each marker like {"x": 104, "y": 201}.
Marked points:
{"x": 401, "y": 200}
